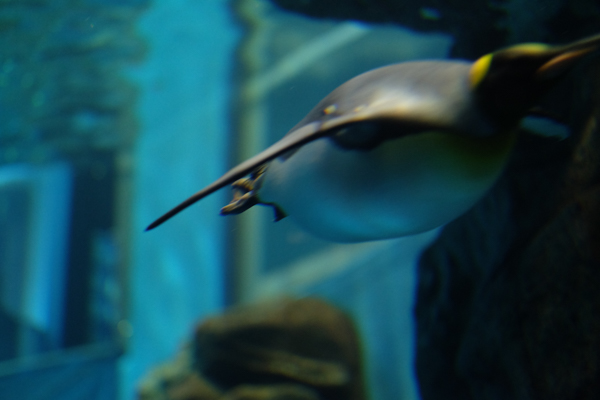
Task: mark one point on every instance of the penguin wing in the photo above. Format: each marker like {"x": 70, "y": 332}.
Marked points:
{"x": 295, "y": 138}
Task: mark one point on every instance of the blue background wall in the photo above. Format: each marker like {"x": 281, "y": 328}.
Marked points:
{"x": 176, "y": 272}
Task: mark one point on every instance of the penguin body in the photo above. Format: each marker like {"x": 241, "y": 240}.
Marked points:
{"x": 400, "y": 149}
{"x": 411, "y": 185}
{"x": 398, "y": 172}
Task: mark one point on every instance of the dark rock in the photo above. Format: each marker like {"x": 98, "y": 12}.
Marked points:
{"x": 177, "y": 380}
{"x": 281, "y": 350}
{"x": 508, "y": 299}
{"x": 271, "y": 392}
{"x": 305, "y": 341}
{"x": 192, "y": 386}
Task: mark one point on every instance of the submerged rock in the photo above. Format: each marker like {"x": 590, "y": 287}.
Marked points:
{"x": 508, "y": 303}
{"x": 271, "y": 392}
{"x": 303, "y": 341}
{"x": 280, "y": 350}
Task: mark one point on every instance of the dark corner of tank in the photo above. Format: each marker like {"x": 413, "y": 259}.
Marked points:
{"x": 114, "y": 111}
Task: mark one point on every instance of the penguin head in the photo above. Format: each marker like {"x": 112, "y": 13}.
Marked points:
{"x": 509, "y": 82}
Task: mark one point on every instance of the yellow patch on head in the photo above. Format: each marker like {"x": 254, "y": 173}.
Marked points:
{"x": 479, "y": 70}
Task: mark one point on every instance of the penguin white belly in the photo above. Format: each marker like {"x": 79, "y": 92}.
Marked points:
{"x": 402, "y": 187}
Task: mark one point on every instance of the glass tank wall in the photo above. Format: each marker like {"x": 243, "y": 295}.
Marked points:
{"x": 68, "y": 125}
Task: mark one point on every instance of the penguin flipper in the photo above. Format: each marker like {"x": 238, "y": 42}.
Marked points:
{"x": 298, "y": 137}
{"x": 245, "y": 196}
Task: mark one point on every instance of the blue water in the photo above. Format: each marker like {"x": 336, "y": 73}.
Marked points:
{"x": 90, "y": 304}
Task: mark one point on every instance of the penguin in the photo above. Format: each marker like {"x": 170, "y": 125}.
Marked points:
{"x": 400, "y": 149}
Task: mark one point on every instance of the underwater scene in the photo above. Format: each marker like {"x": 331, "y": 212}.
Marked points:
{"x": 299, "y": 200}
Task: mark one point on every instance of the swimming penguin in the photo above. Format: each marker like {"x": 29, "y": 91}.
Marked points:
{"x": 400, "y": 149}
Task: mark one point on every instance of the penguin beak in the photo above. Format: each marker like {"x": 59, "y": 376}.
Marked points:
{"x": 561, "y": 64}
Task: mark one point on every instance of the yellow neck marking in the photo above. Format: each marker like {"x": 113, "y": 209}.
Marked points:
{"x": 479, "y": 70}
